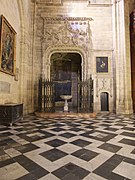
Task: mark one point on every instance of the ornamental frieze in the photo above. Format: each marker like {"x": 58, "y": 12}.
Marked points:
{"x": 61, "y": 18}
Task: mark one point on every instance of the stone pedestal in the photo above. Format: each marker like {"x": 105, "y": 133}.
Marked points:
{"x": 66, "y": 97}
{"x": 66, "y": 106}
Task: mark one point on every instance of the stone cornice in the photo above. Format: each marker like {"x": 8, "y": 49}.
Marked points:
{"x": 99, "y": 5}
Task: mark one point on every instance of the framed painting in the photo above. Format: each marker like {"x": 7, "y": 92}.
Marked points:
{"x": 8, "y": 47}
{"x": 102, "y": 64}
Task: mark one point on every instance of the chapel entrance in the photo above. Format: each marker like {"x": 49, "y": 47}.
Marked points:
{"x": 65, "y": 78}
{"x": 65, "y": 72}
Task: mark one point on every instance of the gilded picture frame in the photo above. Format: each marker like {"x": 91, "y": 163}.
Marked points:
{"x": 8, "y": 47}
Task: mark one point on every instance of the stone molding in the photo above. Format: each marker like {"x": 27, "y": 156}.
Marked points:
{"x": 66, "y": 18}
{"x": 64, "y": 49}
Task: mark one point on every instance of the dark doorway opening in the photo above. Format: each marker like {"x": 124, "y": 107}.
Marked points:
{"x": 104, "y": 101}
{"x": 132, "y": 47}
{"x": 65, "y": 73}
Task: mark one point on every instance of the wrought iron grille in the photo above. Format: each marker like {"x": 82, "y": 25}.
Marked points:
{"x": 47, "y": 96}
{"x": 85, "y": 96}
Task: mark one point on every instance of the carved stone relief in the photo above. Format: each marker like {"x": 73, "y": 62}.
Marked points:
{"x": 104, "y": 84}
{"x": 66, "y": 31}
{"x": 66, "y": 34}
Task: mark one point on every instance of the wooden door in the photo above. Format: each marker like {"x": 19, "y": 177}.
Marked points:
{"x": 104, "y": 101}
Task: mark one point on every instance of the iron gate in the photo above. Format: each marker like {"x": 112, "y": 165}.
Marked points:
{"x": 85, "y": 96}
{"x": 47, "y": 96}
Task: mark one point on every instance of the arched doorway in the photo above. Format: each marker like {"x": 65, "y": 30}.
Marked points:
{"x": 65, "y": 71}
{"x": 104, "y": 101}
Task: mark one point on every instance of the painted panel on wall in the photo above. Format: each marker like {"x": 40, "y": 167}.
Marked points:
{"x": 7, "y": 49}
{"x": 102, "y": 64}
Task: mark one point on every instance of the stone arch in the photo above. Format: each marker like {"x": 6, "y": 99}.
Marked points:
{"x": 51, "y": 50}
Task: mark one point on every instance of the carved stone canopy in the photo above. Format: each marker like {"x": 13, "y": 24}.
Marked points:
{"x": 66, "y": 34}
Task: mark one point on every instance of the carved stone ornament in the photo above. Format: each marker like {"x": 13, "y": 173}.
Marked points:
{"x": 66, "y": 31}
{"x": 104, "y": 84}
{"x": 65, "y": 39}
{"x": 66, "y": 34}
{"x": 63, "y": 18}
{"x": 16, "y": 74}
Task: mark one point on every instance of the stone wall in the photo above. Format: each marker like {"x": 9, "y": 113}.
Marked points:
{"x": 9, "y": 91}
{"x": 99, "y": 34}
{"x": 19, "y": 88}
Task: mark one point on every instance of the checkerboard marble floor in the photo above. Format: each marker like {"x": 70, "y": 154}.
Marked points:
{"x": 69, "y": 148}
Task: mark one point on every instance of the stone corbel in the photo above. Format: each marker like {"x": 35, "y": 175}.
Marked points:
{"x": 16, "y": 77}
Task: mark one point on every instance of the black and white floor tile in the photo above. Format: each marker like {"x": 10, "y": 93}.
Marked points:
{"x": 69, "y": 148}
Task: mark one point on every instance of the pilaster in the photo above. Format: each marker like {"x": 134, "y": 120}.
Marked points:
{"x": 123, "y": 69}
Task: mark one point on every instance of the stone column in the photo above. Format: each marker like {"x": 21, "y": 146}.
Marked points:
{"x": 25, "y": 84}
{"x": 123, "y": 69}
{"x": 90, "y": 61}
